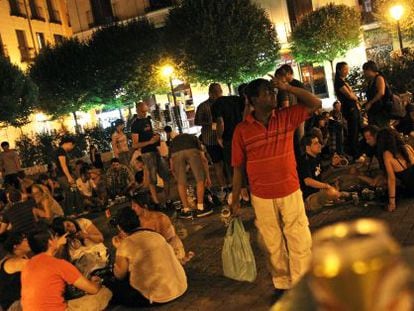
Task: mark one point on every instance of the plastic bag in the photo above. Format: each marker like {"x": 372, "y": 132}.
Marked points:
{"x": 237, "y": 255}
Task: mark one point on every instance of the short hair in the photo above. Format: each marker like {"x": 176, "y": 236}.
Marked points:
{"x": 212, "y": 87}
{"x": 141, "y": 198}
{"x": 284, "y": 70}
{"x": 307, "y": 139}
{"x": 115, "y": 160}
{"x": 4, "y": 144}
{"x": 254, "y": 87}
{"x": 39, "y": 241}
{"x": 241, "y": 89}
{"x": 14, "y": 195}
{"x": 336, "y": 102}
{"x": 139, "y": 104}
{"x": 168, "y": 129}
{"x": 13, "y": 239}
{"x": 370, "y": 65}
{"x": 66, "y": 139}
{"x": 127, "y": 220}
{"x": 373, "y": 129}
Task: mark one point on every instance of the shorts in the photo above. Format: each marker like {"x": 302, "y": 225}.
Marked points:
{"x": 156, "y": 165}
{"x": 180, "y": 160}
{"x": 215, "y": 152}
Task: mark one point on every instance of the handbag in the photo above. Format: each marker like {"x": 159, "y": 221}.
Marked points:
{"x": 393, "y": 104}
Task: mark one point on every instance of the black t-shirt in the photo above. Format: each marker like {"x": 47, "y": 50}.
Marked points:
{"x": 308, "y": 167}
{"x": 347, "y": 104}
{"x": 20, "y": 216}
{"x": 286, "y": 96}
{"x": 230, "y": 108}
{"x": 183, "y": 142}
{"x": 59, "y": 153}
{"x": 143, "y": 127}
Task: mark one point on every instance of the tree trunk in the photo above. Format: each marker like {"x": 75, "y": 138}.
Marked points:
{"x": 120, "y": 114}
{"x": 75, "y": 118}
{"x": 229, "y": 87}
{"x": 332, "y": 70}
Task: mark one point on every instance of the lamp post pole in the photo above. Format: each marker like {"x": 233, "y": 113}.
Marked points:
{"x": 399, "y": 35}
{"x": 176, "y": 107}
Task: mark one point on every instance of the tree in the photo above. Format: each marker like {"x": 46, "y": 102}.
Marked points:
{"x": 400, "y": 71}
{"x": 18, "y": 94}
{"x": 383, "y": 14}
{"x": 221, "y": 41}
{"x": 65, "y": 76}
{"x": 123, "y": 56}
{"x": 326, "y": 34}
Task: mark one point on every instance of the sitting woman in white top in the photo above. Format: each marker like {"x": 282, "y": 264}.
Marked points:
{"x": 85, "y": 246}
{"x": 146, "y": 267}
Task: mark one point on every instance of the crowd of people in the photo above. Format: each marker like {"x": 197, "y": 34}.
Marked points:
{"x": 271, "y": 147}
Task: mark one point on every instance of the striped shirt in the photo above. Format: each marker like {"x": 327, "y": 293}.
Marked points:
{"x": 204, "y": 118}
{"x": 268, "y": 153}
{"x": 20, "y": 216}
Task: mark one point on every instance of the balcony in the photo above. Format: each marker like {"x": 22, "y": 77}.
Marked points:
{"x": 17, "y": 8}
{"x": 155, "y": 5}
{"x": 27, "y": 54}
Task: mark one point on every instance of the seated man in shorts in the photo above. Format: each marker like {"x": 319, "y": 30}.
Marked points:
{"x": 316, "y": 193}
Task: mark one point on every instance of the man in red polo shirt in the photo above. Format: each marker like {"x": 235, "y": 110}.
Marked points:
{"x": 263, "y": 143}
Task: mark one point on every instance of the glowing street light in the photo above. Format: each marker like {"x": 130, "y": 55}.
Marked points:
{"x": 167, "y": 71}
{"x": 397, "y": 12}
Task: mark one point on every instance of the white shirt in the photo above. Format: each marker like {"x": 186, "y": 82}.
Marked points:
{"x": 154, "y": 269}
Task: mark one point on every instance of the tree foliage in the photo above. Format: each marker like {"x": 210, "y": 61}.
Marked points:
{"x": 223, "y": 41}
{"x": 18, "y": 94}
{"x": 400, "y": 71}
{"x": 64, "y": 74}
{"x": 383, "y": 8}
{"x": 326, "y": 34}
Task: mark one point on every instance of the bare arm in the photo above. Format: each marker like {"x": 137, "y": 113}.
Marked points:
{"x": 348, "y": 93}
{"x": 92, "y": 233}
{"x": 3, "y": 227}
{"x": 310, "y": 182}
{"x": 114, "y": 146}
{"x": 305, "y": 98}
{"x": 120, "y": 267}
{"x": 63, "y": 165}
{"x": 86, "y": 285}
{"x": 136, "y": 144}
{"x": 237, "y": 183}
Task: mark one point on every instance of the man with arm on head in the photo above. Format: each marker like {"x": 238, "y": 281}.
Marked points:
{"x": 144, "y": 138}
{"x": 264, "y": 144}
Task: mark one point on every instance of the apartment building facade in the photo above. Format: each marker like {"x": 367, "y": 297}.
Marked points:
{"x": 27, "y": 26}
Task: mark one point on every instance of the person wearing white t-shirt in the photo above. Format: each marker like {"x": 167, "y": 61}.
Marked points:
{"x": 147, "y": 270}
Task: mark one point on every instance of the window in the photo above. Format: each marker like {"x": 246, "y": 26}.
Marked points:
{"x": 3, "y": 50}
{"x": 54, "y": 15}
{"x": 314, "y": 79}
{"x": 40, "y": 40}
{"x": 37, "y": 11}
{"x": 17, "y": 8}
{"x": 58, "y": 39}
{"x": 25, "y": 51}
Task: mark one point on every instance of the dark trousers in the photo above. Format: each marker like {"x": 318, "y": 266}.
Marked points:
{"x": 227, "y": 163}
{"x": 353, "y": 120}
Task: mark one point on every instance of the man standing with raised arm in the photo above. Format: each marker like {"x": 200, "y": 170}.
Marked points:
{"x": 264, "y": 144}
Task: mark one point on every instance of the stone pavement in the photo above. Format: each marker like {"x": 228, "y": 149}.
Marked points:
{"x": 209, "y": 290}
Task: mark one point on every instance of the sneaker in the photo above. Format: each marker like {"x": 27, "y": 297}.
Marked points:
{"x": 203, "y": 213}
{"x": 186, "y": 215}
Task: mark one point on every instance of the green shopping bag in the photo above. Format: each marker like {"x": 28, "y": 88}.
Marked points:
{"x": 237, "y": 255}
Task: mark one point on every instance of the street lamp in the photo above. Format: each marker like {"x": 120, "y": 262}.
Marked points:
{"x": 167, "y": 71}
{"x": 397, "y": 11}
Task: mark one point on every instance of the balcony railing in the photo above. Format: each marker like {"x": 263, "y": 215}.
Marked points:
{"x": 27, "y": 54}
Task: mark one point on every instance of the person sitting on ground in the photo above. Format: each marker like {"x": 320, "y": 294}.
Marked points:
{"x": 99, "y": 186}
{"x": 19, "y": 216}
{"x": 161, "y": 223}
{"x": 49, "y": 208}
{"x": 11, "y": 265}
{"x": 316, "y": 193}
{"x": 322, "y": 131}
{"x": 336, "y": 129}
{"x": 51, "y": 184}
{"x": 84, "y": 238}
{"x": 86, "y": 189}
{"x": 44, "y": 279}
{"x": 95, "y": 157}
{"x": 25, "y": 183}
{"x": 396, "y": 158}
{"x": 147, "y": 270}
{"x": 141, "y": 174}
{"x": 185, "y": 149}
{"x": 119, "y": 179}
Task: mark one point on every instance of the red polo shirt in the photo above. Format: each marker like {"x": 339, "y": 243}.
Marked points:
{"x": 268, "y": 153}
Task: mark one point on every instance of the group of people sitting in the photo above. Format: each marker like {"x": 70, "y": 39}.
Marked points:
{"x": 58, "y": 266}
